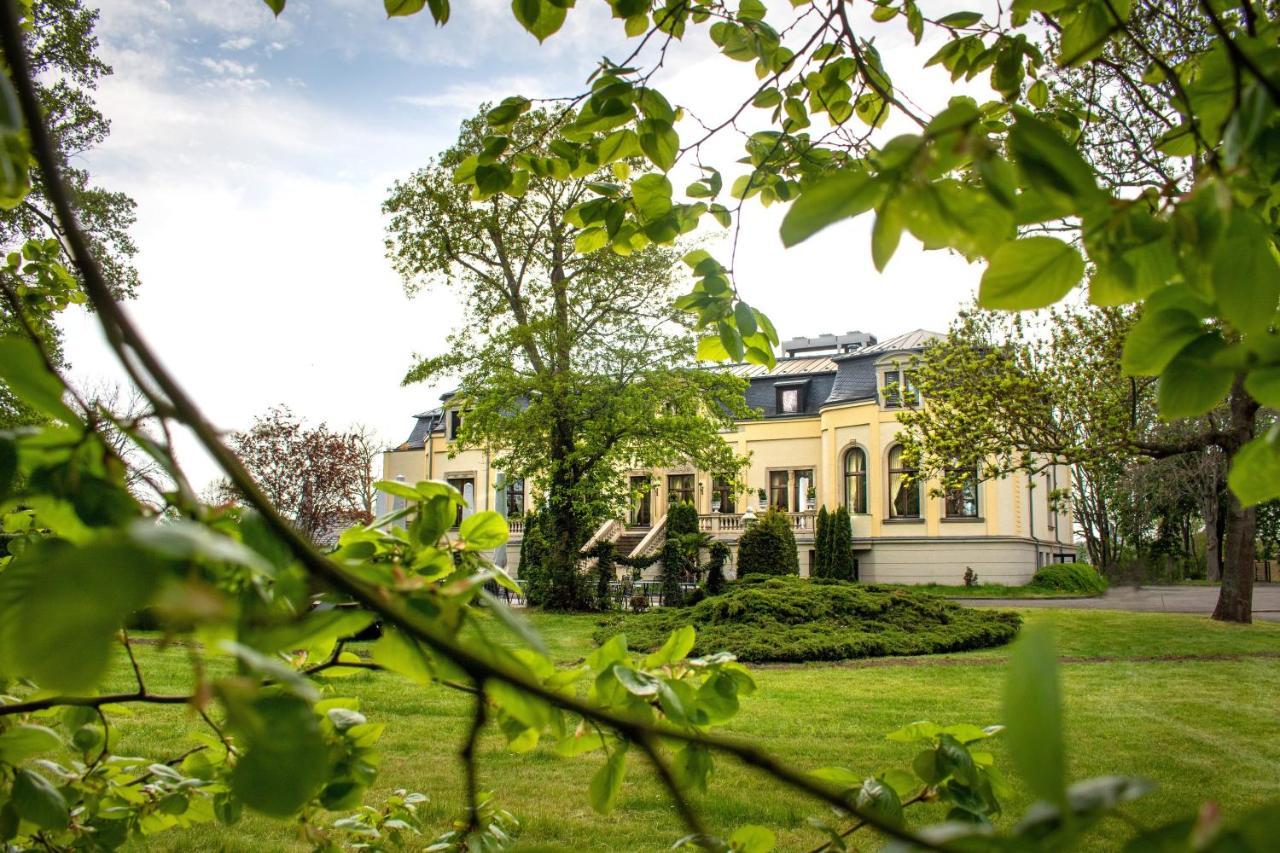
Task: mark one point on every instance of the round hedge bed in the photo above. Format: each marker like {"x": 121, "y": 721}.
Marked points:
{"x": 799, "y": 619}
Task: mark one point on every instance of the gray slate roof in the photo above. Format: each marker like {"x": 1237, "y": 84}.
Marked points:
{"x": 827, "y": 379}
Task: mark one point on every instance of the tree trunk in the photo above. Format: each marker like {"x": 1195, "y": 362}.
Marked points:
{"x": 1235, "y": 600}
{"x": 1210, "y": 508}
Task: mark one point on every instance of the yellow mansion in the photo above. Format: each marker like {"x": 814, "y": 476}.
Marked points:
{"x": 827, "y": 435}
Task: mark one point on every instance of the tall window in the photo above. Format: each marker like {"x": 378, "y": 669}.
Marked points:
{"x": 898, "y": 386}
{"x": 515, "y": 498}
{"x": 722, "y": 497}
{"x": 962, "y": 501}
{"x": 778, "y": 482}
{"x": 855, "y": 479}
{"x": 455, "y": 423}
{"x": 680, "y": 489}
{"x": 904, "y": 493}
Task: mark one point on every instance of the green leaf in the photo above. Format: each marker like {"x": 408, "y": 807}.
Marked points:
{"x": 1156, "y": 338}
{"x": 276, "y": 6}
{"x": 1191, "y": 385}
{"x": 179, "y": 539}
{"x": 1033, "y": 712}
{"x": 1038, "y": 94}
{"x": 1246, "y": 277}
{"x": 484, "y": 530}
{"x": 591, "y": 240}
{"x": 879, "y": 799}
{"x": 1263, "y": 384}
{"x": 400, "y": 654}
{"x": 839, "y": 196}
{"x": 659, "y": 142}
{"x": 38, "y": 801}
{"x": 692, "y": 767}
{"x": 617, "y": 145}
{"x": 1086, "y": 31}
{"x": 1255, "y": 470}
{"x": 752, "y": 839}
{"x": 711, "y": 349}
{"x": 23, "y": 741}
{"x": 319, "y": 629}
{"x": 541, "y": 19}
{"x": 1030, "y": 273}
{"x": 885, "y": 234}
{"x": 397, "y": 8}
{"x": 607, "y": 782}
{"x": 22, "y": 368}
{"x": 1052, "y": 165}
{"x": 677, "y": 646}
{"x": 60, "y": 607}
{"x": 285, "y": 762}
{"x": 652, "y": 196}
{"x": 960, "y": 19}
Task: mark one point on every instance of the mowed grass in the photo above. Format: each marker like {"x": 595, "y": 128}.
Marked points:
{"x": 1202, "y": 729}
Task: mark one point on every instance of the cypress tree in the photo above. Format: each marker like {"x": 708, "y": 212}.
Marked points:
{"x": 840, "y": 541}
{"x": 822, "y": 561}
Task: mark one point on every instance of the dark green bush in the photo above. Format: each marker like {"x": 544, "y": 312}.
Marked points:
{"x": 682, "y": 519}
{"x": 719, "y": 555}
{"x": 822, "y": 545}
{"x": 795, "y": 619}
{"x": 673, "y": 566}
{"x": 1070, "y": 577}
{"x": 535, "y": 548}
{"x": 769, "y": 547}
{"x": 840, "y": 545}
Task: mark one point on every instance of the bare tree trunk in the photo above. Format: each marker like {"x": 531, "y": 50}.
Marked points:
{"x": 1235, "y": 600}
{"x": 1210, "y": 508}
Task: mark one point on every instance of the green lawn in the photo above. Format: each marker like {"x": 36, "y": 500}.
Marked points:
{"x": 1201, "y": 728}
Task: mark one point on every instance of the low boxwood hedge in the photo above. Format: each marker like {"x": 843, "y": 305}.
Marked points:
{"x": 1070, "y": 577}
{"x": 798, "y": 619}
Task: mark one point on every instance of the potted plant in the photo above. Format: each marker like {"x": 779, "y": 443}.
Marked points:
{"x": 811, "y": 498}
{"x": 763, "y": 496}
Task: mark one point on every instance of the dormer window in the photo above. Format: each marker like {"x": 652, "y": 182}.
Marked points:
{"x": 898, "y": 386}
{"x": 790, "y": 397}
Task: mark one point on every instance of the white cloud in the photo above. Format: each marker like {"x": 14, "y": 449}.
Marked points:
{"x": 238, "y": 43}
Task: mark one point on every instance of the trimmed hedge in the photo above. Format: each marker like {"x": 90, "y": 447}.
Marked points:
{"x": 1070, "y": 577}
{"x": 796, "y": 619}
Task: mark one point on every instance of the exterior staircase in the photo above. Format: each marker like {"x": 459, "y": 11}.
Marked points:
{"x": 630, "y": 538}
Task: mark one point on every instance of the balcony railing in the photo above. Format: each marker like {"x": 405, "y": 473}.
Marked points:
{"x": 731, "y": 522}
{"x": 515, "y": 526}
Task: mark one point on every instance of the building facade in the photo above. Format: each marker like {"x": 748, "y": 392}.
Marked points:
{"x": 828, "y": 434}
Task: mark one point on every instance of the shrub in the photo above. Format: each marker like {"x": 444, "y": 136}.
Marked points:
{"x": 682, "y": 519}
{"x": 794, "y": 619}
{"x": 1070, "y": 577}
{"x": 822, "y": 559}
{"x": 769, "y": 547}
{"x": 715, "y": 568}
{"x": 673, "y": 564}
{"x": 970, "y": 576}
{"x": 840, "y": 545}
{"x": 534, "y": 550}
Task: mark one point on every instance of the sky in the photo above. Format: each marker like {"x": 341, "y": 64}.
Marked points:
{"x": 259, "y": 151}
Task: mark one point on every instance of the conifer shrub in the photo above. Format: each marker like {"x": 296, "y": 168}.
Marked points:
{"x": 715, "y": 568}
{"x": 1070, "y": 577}
{"x": 822, "y": 557}
{"x": 768, "y": 547}
{"x": 682, "y": 519}
{"x": 535, "y": 548}
{"x": 797, "y": 619}
{"x": 840, "y": 545}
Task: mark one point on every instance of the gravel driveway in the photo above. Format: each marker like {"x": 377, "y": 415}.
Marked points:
{"x": 1169, "y": 599}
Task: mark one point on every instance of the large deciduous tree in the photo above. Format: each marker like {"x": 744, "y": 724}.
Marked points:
{"x": 571, "y": 367}
{"x": 313, "y": 475}
{"x": 64, "y": 53}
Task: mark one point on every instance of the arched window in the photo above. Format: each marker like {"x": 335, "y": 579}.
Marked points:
{"x": 855, "y": 479}
{"x": 962, "y": 501}
{"x": 904, "y": 492}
